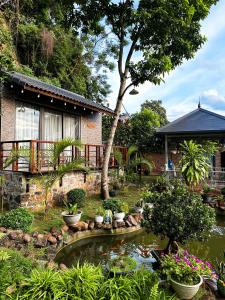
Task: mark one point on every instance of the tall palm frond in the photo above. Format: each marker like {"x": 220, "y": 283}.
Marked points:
{"x": 15, "y": 155}
{"x": 141, "y": 161}
{"x": 131, "y": 150}
{"x": 61, "y": 146}
{"x": 119, "y": 158}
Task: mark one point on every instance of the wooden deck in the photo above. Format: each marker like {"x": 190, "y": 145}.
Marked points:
{"x": 37, "y": 155}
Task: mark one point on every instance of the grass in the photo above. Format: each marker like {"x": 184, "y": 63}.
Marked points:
{"x": 42, "y": 223}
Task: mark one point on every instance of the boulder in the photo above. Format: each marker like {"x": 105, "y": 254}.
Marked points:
{"x": 107, "y": 226}
{"x": 80, "y": 226}
{"x": 27, "y": 238}
{"x": 64, "y": 229}
{"x": 41, "y": 241}
{"x": 115, "y": 224}
{"x": 128, "y": 224}
{"x": 98, "y": 225}
{"x": 52, "y": 240}
{"x": 91, "y": 225}
{"x": 63, "y": 267}
{"x": 121, "y": 224}
{"x": 60, "y": 237}
{"x": 132, "y": 220}
{"x": 13, "y": 235}
{"x": 3, "y": 229}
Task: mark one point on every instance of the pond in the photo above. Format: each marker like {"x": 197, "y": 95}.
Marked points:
{"x": 137, "y": 245}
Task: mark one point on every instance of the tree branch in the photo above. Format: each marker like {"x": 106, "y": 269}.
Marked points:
{"x": 129, "y": 85}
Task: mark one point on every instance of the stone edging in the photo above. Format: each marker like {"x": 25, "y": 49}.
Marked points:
{"x": 80, "y": 235}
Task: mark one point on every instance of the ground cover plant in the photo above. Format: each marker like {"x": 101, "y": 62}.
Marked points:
{"x": 18, "y": 218}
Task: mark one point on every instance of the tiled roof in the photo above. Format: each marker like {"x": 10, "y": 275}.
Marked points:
{"x": 25, "y": 80}
{"x": 197, "y": 121}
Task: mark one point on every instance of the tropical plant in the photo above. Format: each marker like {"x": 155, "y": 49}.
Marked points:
{"x": 76, "y": 196}
{"x": 80, "y": 282}
{"x": 18, "y": 218}
{"x": 116, "y": 205}
{"x": 195, "y": 161}
{"x": 220, "y": 270}
{"x": 100, "y": 211}
{"x": 129, "y": 164}
{"x": 71, "y": 209}
{"x": 179, "y": 215}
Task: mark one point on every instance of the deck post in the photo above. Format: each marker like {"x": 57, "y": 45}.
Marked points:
{"x": 166, "y": 153}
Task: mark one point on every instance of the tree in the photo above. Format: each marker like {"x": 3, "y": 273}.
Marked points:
{"x": 156, "y": 106}
{"x": 179, "y": 215}
{"x": 146, "y": 38}
{"x": 143, "y": 125}
{"x": 195, "y": 161}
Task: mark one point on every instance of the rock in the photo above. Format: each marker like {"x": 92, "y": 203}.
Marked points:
{"x": 137, "y": 218}
{"x": 52, "y": 240}
{"x": 132, "y": 220}
{"x": 91, "y": 225}
{"x": 80, "y": 226}
{"x": 13, "y": 235}
{"x": 41, "y": 241}
{"x": 63, "y": 267}
{"x": 64, "y": 229}
{"x": 60, "y": 238}
{"x": 98, "y": 225}
{"x": 3, "y": 229}
{"x": 27, "y": 238}
{"x": 115, "y": 224}
{"x": 107, "y": 226}
{"x": 52, "y": 265}
{"x": 128, "y": 224}
{"x": 121, "y": 224}
{"x": 35, "y": 234}
{"x": 53, "y": 230}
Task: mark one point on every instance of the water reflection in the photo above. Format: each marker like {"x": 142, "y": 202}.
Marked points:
{"x": 138, "y": 246}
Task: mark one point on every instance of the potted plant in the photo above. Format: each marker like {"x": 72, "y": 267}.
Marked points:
{"x": 220, "y": 200}
{"x": 139, "y": 206}
{"x": 206, "y": 196}
{"x": 99, "y": 217}
{"x": 122, "y": 210}
{"x": 221, "y": 277}
{"x": 72, "y": 215}
{"x": 184, "y": 278}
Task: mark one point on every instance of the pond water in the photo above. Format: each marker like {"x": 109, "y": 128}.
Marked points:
{"x": 137, "y": 245}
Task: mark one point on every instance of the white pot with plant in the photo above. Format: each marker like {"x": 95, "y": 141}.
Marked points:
{"x": 99, "y": 217}
{"x": 72, "y": 215}
{"x": 122, "y": 210}
{"x": 139, "y": 206}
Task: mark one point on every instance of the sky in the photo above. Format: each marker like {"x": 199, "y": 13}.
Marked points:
{"x": 202, "y": 78}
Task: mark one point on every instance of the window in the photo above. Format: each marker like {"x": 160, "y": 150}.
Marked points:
{"x": 71, "y": 126}
{"x": 52, "y": 126}
{"x": 27, "y": 121}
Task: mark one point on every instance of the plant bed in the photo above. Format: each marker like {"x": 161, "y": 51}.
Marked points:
{"x": 121, "y": 265}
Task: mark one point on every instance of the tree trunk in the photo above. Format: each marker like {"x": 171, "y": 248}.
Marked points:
{"x": 105, "y": 167}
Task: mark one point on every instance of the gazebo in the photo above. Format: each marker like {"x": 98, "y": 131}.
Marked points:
{"x": 198, "y": 125}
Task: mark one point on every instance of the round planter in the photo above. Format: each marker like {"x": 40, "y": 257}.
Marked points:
{"x": 139, "y": 210}
{"x": 99, "y": 219}
{"x": 186, "y": 291}
{"x": 119, "y": 216}
{"x": 70, "y": 219}
{"x": 221, "y": 288}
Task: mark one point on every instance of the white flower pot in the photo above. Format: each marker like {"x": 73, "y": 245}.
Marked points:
{"x": 119, "y": 216}
{"x": 149, "y": 205}
{"x": 70, "y": 220}
{"x": 139, "y": 210}
{"x": 99, "y": 219}
{"x": 186, "y": 291}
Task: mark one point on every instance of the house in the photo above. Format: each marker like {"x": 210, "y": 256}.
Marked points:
{"x": 35, "y": 114}
{"x": 199, "y": 125}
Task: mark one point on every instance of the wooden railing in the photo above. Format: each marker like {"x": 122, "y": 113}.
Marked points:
{"x": 36, "y": 155}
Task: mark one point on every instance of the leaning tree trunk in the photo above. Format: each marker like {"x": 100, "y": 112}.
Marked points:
{"x": 105, "y": 167}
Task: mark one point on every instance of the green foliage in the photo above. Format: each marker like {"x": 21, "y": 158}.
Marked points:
{"x": 122, "y": 264}
{"x": 76, "y": 196}
{"x": 18, "y": 218}
{"x": 179, "y": 215}
{"x": 13, "y": 269}
{"x": 80, "y": 282}
{"x": 71, "y": 208}
{"x": 195, "y": 161}
{"x": 223, "y": 191}
{"x": 116, "y": 205}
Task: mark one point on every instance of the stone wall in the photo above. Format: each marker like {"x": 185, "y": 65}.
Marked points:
{"x": 19, "y": 190}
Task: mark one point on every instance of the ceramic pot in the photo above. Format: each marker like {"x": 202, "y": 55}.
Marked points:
{"x": 71, "y": 220}
{"x": 186, "y": 291}
{"x": 139, "y": 210}
{"x": 119, "y": 216}
{"x": 99, "y": 219}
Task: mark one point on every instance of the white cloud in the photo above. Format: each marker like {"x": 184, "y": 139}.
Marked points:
{"x": 213, "y": 95}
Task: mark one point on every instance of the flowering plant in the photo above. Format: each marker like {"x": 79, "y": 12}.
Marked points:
{"x": 186, "y": 268}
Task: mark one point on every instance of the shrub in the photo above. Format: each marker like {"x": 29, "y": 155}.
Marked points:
{"x": 223, "y": 191}
{"x": 14, "y": 267}
{"x": 76, "y": 196}
{"x": 179, "y": 215}
{"x": 18, "y": 218}
{"x": 80, "y": 282}
{"x": 116, "y": 205}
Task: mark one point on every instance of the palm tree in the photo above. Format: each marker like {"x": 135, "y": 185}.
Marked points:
{"x": 131, "y": 162}
{"x": 57, "y": 171}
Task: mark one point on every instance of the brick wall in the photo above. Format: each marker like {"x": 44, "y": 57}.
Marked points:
{"x": 91, "y": 129}
{"x": 8, "y": 118}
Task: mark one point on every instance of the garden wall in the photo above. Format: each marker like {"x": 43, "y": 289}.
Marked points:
{"x": 18, "y": 191}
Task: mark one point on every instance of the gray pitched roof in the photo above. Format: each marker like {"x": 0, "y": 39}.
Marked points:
{"x": 25, "y": 80}
{"x": 197, "y": 121}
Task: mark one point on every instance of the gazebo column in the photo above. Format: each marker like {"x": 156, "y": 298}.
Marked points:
{"x": 166, "y": 153}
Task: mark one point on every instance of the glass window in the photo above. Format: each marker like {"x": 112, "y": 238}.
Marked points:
{"x": 27, "y": 121}
{"x": 52, "y": 126}
{"x": 71, "y": 126}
